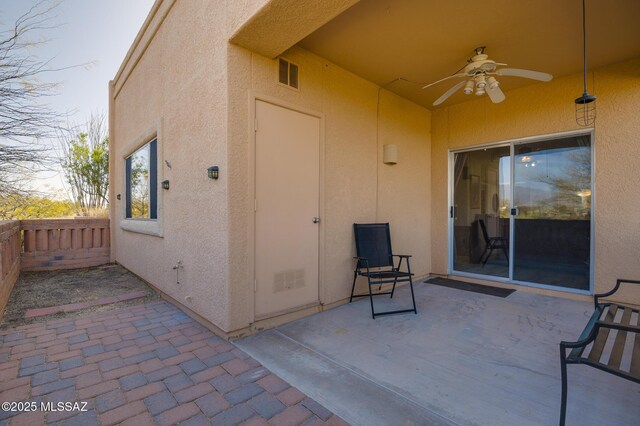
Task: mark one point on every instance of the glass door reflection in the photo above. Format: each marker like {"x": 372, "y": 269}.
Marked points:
{"x": 552, "y": 218}
{"x": 481, "y": 195}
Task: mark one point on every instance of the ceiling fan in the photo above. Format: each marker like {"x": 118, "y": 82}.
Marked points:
{"x": 479, "y": 74}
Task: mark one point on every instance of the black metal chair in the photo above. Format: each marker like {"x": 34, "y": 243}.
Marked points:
{"x": 492, "y": 243}
{"x": 374, "y": 261}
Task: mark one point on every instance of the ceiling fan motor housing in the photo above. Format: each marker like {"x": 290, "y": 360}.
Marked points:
{"x": 480, "y": 64}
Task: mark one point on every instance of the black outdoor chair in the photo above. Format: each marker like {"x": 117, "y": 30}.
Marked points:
{"x": 375, "y": 262}
{"x": 492, "y": 243}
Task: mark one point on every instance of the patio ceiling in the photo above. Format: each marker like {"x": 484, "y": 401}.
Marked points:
{"x": 425, "y": 40}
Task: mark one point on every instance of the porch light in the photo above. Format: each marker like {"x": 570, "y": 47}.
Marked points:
{"x": 390, "y": 154}
{"x": 165, "y": 184}
{"x": 585, "y": 104}
{"x": 212, "y": 172}
{"x": 468, "y": 88}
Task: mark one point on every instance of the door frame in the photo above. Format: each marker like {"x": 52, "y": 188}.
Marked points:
{"x": 512, "y": 143}
{"x": 252, "y": 99}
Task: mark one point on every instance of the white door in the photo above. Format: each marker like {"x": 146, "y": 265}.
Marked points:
{"x": 287, "y": 209}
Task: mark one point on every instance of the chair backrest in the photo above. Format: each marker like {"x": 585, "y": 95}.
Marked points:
{"x": 373, "y": 241}
{"x": 485, "y": 234}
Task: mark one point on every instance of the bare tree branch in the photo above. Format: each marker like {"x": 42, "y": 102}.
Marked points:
{"x": 24, "y": 116}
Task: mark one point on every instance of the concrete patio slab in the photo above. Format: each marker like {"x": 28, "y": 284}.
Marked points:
{"x": 466, "y": 358}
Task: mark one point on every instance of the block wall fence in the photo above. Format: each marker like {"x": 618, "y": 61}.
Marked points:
{"x": 49, "y": 245}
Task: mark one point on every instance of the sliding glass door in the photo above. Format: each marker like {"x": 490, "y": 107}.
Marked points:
{"x": 522, "y": 212}
{"x": 482, "y": 194}
{"x": 552, "y": 212}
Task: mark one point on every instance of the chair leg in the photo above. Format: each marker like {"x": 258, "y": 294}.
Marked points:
{"x": 563, "y": 371}
{"x": 413, "y": 298}
{"x": 373, "y": 314}
{"x": 353, "y": 287}
{"x": 394, "y": 286}
{"x": 488, "y": 256}
{"x": 483, "y": 253}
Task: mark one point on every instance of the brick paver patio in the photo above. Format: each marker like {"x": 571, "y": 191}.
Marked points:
{"x": 146, "y": 364}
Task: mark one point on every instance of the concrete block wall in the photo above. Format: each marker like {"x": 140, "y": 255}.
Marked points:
{"x": 53, "y": 244}
{"x": 9, "y": 259}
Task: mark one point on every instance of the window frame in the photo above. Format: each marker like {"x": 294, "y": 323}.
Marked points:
{"x": 147, "y": 226}
{"x": 153, "y": 183}
{"x": 289, "y": 64}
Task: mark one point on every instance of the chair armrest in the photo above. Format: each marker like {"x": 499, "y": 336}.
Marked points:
{"x": 402, "y": 257}
{"x": 364, "y": 260}
{"x": 587, "y": 336}
{"x": 613, "y": 290}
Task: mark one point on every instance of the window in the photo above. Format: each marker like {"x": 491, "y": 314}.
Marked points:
{"x": 142, "y": 182}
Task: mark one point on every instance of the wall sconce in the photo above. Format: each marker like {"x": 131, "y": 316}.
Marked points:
{"x": 390, "y": 154}
{"x": 212, "y": 172}
{"x": 165, "y": 184}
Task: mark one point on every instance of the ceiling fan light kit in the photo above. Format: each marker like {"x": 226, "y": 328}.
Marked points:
{"x": 479, "y": 73}
{"x": 493, "y": 83}
{"x": 468, "y": 88}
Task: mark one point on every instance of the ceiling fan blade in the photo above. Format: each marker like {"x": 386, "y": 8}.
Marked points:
{"x": 448, "y": 93}
{"x": 534, "y": 75}
{"x": 496, "y": 94}
{"x": 446, "y": 78}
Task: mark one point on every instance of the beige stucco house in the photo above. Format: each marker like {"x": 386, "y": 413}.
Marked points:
{"x": 294, "y": 101}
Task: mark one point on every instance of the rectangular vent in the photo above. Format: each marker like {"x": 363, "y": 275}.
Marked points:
{"x": 287, "y": 73}
{"x": 288, "y": 280}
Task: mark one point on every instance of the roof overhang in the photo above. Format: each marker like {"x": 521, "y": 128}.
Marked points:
{"x": 280, "y": 24}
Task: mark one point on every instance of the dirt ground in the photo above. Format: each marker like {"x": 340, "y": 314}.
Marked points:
{"x": 44, "y": 289}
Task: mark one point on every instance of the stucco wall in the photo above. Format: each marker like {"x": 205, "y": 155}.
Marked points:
{"x": 178, "y": 89}
{"x": 195, "y": 90}
{"x": 356, "y": 185}
{"x": 548, "y": 108}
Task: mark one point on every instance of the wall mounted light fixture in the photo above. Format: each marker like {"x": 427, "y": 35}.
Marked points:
{"x": 390, "y": 154}
{"x": 213, "y": 172}
{"x": 165, "y": 184}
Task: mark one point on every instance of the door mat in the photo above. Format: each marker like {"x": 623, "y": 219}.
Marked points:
{"x": 476, "y": 288}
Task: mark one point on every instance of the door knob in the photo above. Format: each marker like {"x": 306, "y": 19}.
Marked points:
{"x": 316, "y": 220}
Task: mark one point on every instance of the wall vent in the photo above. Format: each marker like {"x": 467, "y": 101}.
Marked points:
{"x": 288, "y": 280}
{"x": 287, "y": 73}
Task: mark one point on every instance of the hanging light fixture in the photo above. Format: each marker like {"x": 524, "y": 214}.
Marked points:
{"x": 585, "y": 104}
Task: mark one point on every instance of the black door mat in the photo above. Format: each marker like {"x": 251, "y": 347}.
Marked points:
{"x": 476, "y": 288}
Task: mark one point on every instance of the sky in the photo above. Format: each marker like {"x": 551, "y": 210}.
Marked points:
{"x": 94, "y": 32}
